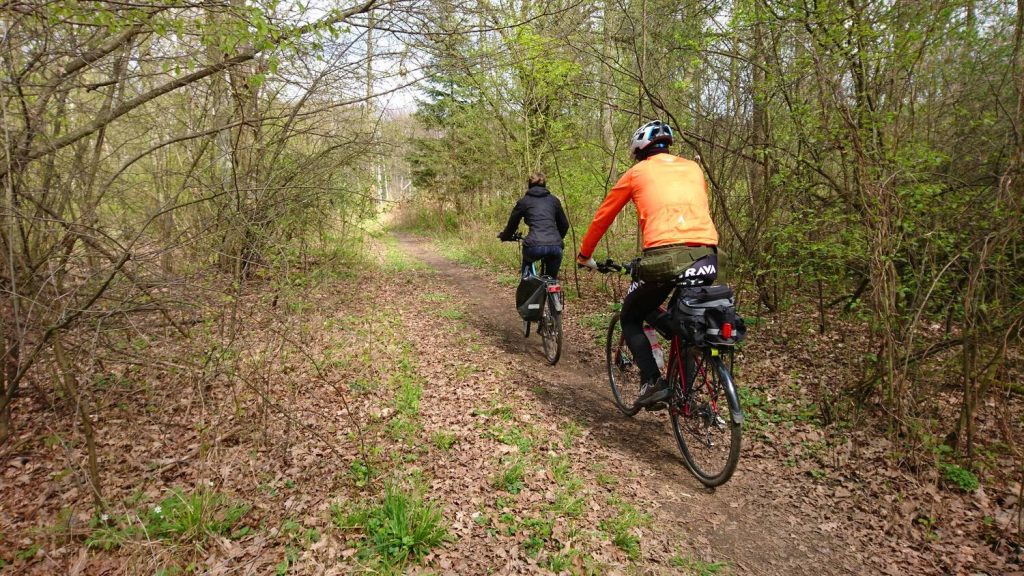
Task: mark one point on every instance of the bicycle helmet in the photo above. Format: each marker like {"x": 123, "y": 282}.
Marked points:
{"x": 656, "y": 132}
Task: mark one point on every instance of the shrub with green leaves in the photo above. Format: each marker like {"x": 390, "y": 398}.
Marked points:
{"x": 961, "y": 478}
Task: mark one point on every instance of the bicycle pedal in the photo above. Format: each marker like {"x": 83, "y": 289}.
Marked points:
{"x": 656, "y": 406}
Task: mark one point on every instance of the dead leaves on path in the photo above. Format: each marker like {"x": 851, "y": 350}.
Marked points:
{"x": 278, "y": 424}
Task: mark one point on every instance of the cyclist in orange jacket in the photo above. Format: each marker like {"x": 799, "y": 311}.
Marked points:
{"x": 679, "y": 241}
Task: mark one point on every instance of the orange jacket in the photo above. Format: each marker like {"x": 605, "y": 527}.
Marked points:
{"x": 671, "y": 198}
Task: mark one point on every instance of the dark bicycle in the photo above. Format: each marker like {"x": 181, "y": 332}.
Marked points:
{"x": 704, "y": 407}
{"x": 539, "y": 300}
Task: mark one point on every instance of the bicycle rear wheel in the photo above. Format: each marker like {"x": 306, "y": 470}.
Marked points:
{"x": 707, "y": 434}
{"x": 551, "y": 332}
{"x": 623, "y": 373}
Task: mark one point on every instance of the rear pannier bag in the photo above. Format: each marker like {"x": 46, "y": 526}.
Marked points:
{"x": 707, "y": 316}
{"x": 530, "y": 298}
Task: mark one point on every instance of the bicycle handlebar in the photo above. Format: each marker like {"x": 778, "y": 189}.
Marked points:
{"x": 610, "y": 265}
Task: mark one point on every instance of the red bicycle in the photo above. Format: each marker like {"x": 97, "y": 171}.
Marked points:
{"x": 704, "y": 407}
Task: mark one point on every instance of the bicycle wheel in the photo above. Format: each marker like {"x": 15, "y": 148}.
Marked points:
{"x": 551, "y": 332}
{"x": 708, "y": 436}
{"x": 623, "y": 374}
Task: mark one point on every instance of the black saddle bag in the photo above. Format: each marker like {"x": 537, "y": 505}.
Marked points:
{"x": 530, "y": 298}
{"x": 706, "y": 316}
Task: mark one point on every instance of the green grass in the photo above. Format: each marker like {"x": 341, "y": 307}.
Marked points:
{"x": 443, "y": 439}
{"x": 570, "y": 432}
{"x": 570, "y": 498}
{"x": 410, "y": 391}
{"x": 361, "y": 472}
{"x": 435, "y": 297}
{"x": 695, "y": 567}
{"x": 478, "y": 251}
{"x": 510, "y": 477}
{"x": 27, "y": 553}
{"x": 451, "y": 314}
{"x": 463, "y": 371}
{"x": 605, "y": 479}
{"x": 404, "y": 428}
{"x": 396, "y": 261}
{"x": 512, "y": 436}
{"x": 186, "y": 518}
{"x": 405, "y": 425}
{"x": 561, "y": 468}
{"x": 400, "y": 528}
{"x": 292, "y": 530}
{"x": 620, "y": 528}
{"x": 496, "y": 409}
{"x": 509, "y": 280}
{"x": 559, "y": 562}
{"x": 569, "y": 501}
{"x": 597, "y": 326}
{"x": 296, "y": 537}
{"x": 538, "y": 532}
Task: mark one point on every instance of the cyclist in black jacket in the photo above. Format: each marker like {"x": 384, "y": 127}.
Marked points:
{"x": 548, "y": 226}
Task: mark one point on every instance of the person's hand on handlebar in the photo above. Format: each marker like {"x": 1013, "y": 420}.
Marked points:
{"x": 586, "y": 262}
{"x": 602, "y": 267}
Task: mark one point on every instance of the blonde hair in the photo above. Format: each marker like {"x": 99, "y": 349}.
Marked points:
{"x": 537, "y": 179}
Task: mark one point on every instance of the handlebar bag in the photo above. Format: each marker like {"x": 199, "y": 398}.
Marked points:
{"x": 530, "y": 298}
{"x": 707, "y": 316}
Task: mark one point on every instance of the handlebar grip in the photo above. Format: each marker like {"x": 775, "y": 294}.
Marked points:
{"x": 609, "y": 265}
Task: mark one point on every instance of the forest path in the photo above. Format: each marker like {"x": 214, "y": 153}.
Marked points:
{"x": 760, "y": 522}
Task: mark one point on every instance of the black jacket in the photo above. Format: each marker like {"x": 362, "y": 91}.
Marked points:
{"x": 543, "y": 214}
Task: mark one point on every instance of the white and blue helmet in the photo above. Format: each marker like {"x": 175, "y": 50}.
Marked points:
{"x": 650, "y": 133}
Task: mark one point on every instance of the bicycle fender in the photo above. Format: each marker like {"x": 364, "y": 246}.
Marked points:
{"x": 735, "y": 412}
{"x": 556, "y": 302}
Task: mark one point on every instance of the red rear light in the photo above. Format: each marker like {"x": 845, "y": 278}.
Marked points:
{"x": 727, "y": 330}
{"x": 555, "y": 288}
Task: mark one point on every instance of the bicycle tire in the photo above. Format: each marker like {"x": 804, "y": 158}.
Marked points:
{"x": 623, "y": 374}
{"x": 707, "y": 433}
{"x": 550, "y": 329}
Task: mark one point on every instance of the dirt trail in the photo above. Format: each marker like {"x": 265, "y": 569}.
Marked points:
{"x": 760, "y": 522}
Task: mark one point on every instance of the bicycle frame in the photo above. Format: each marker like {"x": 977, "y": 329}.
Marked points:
{"x": 675, "y": 356}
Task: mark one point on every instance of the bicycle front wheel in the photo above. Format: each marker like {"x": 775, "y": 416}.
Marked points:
{"x": 623, "y": 373}
{"x": 707, "y": 434}
{"x": 551, "y": 332}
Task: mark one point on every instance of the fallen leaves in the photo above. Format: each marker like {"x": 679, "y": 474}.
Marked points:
{"x": 841, "y": 507}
